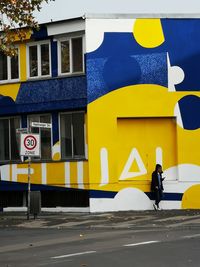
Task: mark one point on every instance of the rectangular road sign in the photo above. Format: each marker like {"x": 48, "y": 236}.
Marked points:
{"x": 30, "y": 145}
{"x": 22, "y": 130}
{"x": 41, "y": 124}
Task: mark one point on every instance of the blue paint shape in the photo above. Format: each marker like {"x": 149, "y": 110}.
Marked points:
{"x": 190, "y": 109}
{"x": 55, "y": 127}
{"x": 54, "y": 58}
{"x": 40, "y": 34}
{"x": 111, "y": 194}
{"x": 7, "y": 105}
{"x": 16, "y": 186}
{"x": 102, "y": 194}
{"x": 167, "y": 196}
{"x": 182, "y": 38}
{"x": 121, "y": 71}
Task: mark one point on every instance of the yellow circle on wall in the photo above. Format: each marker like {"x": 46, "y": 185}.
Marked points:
{"x": 148, "y": 32}
{"x": 191, "y": 198}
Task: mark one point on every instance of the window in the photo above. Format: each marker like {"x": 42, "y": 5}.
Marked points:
{"x": 39, "y": 60}
{"x": 9, "y": 149}
{"x": 71, "y": 55}
{"x": 9, "y": 68}
{"x": 45, "y": 134}
{"x": 72, "y": 135}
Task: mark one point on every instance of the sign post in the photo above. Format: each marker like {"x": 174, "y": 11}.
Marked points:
{"x": 29, "y": 188}
{"x": 29, "y": 147}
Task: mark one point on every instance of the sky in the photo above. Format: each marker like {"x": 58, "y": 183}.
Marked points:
{"x": 64, "y": 9}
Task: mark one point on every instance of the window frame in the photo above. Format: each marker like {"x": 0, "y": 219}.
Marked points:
{"x": 72, "y": 157}
{"x": 9, "y": 79}
{"x": 69, "y": 38}
{"x": 10, "y": 149}
{"x": 51, "y": 130}
{"x": 38, "y": 44}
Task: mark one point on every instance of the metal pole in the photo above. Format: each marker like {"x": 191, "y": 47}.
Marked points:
{"x": 29, "y": 181}
{"x": 29, "y": 187}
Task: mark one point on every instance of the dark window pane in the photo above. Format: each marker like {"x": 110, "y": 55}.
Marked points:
{"x": 77, "y": 54}
{"x": 78, "y": 134}
{"x": 66, "y": 143}
{"x": 65, "y": 59}
{"x": 45, "y": 143}
{"x": 45, "y": 138}
{"x": 14, "y": 124}
{"x": 45, "y": 59}
{"x": 3, "y": 67}
{"x": 4, "y": 140}
{"x": 33, "y": 61}
{"x": 14, "y": 67}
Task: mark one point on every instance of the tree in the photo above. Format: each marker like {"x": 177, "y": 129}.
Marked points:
{"x": 16, "y": 21}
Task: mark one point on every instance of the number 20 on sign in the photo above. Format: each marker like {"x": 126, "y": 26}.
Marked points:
{"x": 30, "y": 145}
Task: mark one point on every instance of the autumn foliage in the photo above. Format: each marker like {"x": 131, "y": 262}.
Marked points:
{"x": 16, "y": 20}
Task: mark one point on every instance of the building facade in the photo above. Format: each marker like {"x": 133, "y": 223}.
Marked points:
{"x": 122, "y": 94}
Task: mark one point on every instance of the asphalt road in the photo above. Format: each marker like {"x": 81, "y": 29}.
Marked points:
{"x": 177, "y": 247}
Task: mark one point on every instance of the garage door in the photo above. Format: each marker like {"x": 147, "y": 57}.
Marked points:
{"x": 143, "y": 142}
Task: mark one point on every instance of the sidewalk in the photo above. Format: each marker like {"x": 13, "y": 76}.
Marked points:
{"x": 110, "y": 220}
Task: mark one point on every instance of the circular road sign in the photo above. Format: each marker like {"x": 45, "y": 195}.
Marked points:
{"x": 30, "y": 142}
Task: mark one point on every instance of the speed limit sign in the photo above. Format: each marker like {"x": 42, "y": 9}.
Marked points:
{"x": 30, "y": 145}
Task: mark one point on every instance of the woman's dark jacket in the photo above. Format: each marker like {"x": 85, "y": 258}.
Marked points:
{"x": 155, "y": 183}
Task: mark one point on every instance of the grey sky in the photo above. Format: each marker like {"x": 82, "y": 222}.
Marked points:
{"x": 63, "y": 9}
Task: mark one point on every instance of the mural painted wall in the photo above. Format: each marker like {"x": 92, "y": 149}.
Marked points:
{"x": 143, "y": 108}
{"x": 41, "y": 96}
{"x": 141, "y": 91}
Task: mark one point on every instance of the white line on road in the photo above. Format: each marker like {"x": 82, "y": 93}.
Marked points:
{"x": 191, "y": 236}
{"x": 71, "y": 255}
{"x": 141, "y": 243}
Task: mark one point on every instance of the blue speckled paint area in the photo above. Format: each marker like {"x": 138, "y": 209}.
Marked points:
{"x": 52, "y": 94}
{"x": 47, "y": 95}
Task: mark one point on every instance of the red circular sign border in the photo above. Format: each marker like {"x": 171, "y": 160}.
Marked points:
{"x": 34, "y": 140}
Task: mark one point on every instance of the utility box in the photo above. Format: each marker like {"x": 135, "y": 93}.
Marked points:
{"x": 35, "y": 203}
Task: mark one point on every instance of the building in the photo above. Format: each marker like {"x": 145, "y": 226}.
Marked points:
{"x": 122, "y": 94}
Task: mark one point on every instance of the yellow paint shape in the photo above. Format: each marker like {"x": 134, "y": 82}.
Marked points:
{"x": 27, "y": 35}
{"x": 73, "y": 174}
{"x": 148, "y": 32}
{"x": 22, "y": 62}
{"x": 85, "y": 175}
{"x": 55, "y": 174}
{"x": 56, "y": 151}
{"x": 56, "y": 156}
{"x": 23, "y": 178}
{"x": 191, "y": 198}
{"x": 10, "y": 90}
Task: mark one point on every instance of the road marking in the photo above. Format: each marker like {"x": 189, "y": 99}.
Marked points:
{"x": 141, "y": 243}
{"x": 72, "y": 255}
{"x": 191, "y": 236}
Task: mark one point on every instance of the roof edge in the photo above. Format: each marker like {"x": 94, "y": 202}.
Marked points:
{"x": 141, "y": 15}
{"x": 63, "y": 20}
